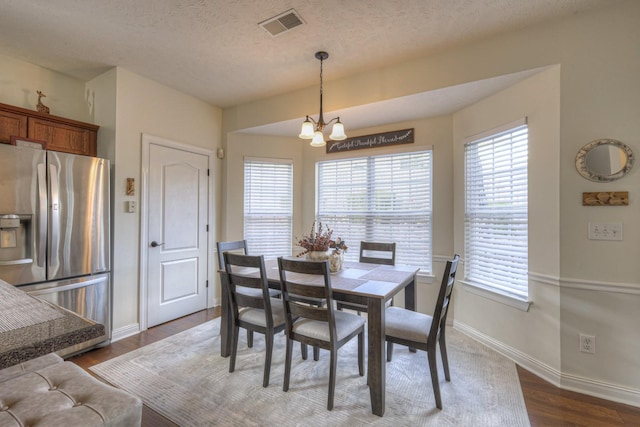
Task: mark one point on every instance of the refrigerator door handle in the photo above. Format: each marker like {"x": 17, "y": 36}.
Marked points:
{"x": 42, "y": 214}
{"x": 55, "y": 215}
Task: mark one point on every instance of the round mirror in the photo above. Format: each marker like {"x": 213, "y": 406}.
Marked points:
{"x": 604, "y": 160}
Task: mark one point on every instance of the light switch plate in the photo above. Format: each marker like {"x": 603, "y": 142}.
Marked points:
{"x": 605, "y": 231}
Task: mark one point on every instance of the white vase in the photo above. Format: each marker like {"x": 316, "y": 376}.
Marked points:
{"x": 318, "y": 255}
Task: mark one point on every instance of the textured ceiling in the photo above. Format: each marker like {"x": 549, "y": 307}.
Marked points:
{"x": 215, "y": 49}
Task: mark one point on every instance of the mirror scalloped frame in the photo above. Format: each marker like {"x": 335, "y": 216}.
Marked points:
{"x": 585, "y": 172}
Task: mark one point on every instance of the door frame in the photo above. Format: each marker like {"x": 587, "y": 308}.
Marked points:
{"x": 147, "y": 141}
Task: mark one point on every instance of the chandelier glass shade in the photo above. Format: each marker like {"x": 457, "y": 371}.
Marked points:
{"x": 312, "y": 129}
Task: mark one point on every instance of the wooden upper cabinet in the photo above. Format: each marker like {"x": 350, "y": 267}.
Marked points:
{"x": 12, "y": 124}
{"x": 69, "y": 136}
{"x": 61, "y": 137}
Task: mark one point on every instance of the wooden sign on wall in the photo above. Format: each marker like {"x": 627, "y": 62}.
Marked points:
{"x": 396, "y": 137}
{"x": 606, "y": 198}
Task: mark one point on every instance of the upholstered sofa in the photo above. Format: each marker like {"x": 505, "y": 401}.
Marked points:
{"x": 47, "y": 391}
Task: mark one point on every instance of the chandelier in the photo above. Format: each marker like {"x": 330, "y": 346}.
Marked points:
{"x": 315, "y": 134}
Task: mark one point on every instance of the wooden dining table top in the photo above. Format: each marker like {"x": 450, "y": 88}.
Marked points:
{"x": 363, "y": 279}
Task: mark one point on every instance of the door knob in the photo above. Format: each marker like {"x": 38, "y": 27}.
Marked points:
{"x": 154, "y": 244}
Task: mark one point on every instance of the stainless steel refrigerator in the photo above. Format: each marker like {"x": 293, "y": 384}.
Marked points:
{"x": 55, "y": 230}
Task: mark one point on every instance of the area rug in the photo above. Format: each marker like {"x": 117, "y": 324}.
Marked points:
{"x": 184, "y": 378}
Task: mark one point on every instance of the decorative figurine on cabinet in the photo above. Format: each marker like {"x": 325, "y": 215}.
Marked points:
{"x": 40, "y": 106}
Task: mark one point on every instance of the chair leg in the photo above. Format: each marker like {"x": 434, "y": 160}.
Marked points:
{"x": 433, "y": 367}
{"x": 316, "y": 353}
{"x": 267, "y": 359}
{"x": 303, "y": 351}
{"x": 443, "y": 353}
{"x": 234, "y": 348}
{"x": 249, "y": 339}
{"x": 332, "y": 378}
{"x": 361, "y": 353}
{"x": 287, "y": 365}
{"x": 389, "y": 351}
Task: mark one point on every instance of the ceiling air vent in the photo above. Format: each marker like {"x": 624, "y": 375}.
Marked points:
{"x": 282, "y": 23}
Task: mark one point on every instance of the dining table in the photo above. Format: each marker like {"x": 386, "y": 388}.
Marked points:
{"x": 368, "y": 284}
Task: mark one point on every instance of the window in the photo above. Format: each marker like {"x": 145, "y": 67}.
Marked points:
{"x": 268, "y": 206}
{"x": 380, "y": 198}
{"x": 496, "y": 210}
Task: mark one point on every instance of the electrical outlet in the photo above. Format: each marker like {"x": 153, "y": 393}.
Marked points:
{"x": 587, "y": 343}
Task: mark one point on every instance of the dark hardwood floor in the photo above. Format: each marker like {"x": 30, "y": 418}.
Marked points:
{"x": 547, "y": 405}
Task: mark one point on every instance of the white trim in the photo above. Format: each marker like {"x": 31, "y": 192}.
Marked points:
{"x": 147, "y": 140}
{"x": 495, "y": 295}
{"x": 279, "y": 160}
{"x": 125, "y": 331}
{"x": 591, "y": 285}
{"x": 545, "y": 278}
{"x": 498, "y": 129}
{"x": 601, "y": 389}
{"x": 532, "y": 365}
{"x": 588, "y": 386}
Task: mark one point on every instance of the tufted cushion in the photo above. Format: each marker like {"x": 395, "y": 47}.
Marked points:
{"x": 29, "y": 366}
{"x": 407, "y": 324}
{"x": 345, "y": 324}
{"x": 65, "y": 395}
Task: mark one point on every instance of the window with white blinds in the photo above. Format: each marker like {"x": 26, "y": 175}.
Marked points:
{"x": 496, "y": 211}
{"x": 383, "y": 198}
{"x": 268, "y": 206}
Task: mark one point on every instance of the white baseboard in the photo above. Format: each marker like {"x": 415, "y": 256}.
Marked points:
{"x": 600, "y": 389}
{"x": 125, "y": 331}
{"x": 603, "y": 390}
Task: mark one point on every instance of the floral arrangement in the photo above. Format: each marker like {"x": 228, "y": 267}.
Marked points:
{"x": 320, "y": 240}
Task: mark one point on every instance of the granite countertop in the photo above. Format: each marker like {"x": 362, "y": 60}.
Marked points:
{"x": 30, "y": 327}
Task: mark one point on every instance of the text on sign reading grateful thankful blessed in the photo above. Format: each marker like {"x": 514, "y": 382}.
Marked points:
{"x": 404, "y": 136}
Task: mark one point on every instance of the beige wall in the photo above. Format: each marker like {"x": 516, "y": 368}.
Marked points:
{"x": 589, "y": 92}
{"x": 144, "y": 106}
{"x": 65, "y": 96}
{"x": 535, "y": 333}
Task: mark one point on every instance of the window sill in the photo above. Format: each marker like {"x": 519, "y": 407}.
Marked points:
{"x": 425, "y": 277}
{"x": 498, "y": 296}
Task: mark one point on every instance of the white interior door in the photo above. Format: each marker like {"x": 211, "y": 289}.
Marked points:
{"x": 177, "y": 243}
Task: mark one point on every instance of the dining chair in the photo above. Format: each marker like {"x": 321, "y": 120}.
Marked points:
{"x": 421, "y": 331}
{"x": 254, "y": 311}
{"x": 373, "y": 253}
{"x": 240, "y": 246}
{"x": 318, "y": 326}
{"x": 378, "y": 253}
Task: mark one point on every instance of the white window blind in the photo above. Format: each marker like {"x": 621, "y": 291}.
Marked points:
{"x": 496, "y": 227}
{"x": 380, "y": 198}
{"x": 268, "y": 206}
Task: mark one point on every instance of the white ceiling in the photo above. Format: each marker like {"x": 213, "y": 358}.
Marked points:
{"x": 216, "y": 51}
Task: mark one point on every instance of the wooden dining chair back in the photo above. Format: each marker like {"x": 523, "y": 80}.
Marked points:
{"x": 254, "y": 311}
{"x": 373, "y": 253}
{"x": 240, "y": 247}
{"x": 236, "y": 246}
{"x": 318, "y": 326}
{"x": 424, "y": 332}
{"x": 378, "y": 253}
